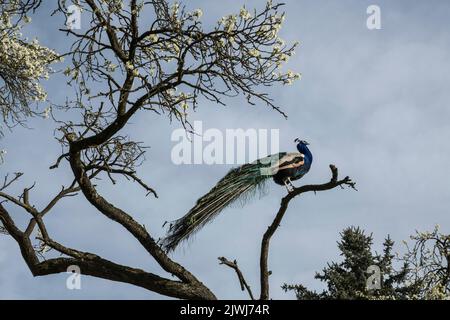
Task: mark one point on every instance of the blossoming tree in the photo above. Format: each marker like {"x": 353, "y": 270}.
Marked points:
{"x": 121, "y": 64}
{"x": 23, "y": 63}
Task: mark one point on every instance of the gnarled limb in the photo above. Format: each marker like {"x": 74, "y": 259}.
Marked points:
{"x": 333, "y": 183}
{"x": 136, "y": 229}
{"x": 93, "y": 265}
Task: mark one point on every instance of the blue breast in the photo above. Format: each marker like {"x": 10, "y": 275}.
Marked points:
{"x": 301, "y": 171}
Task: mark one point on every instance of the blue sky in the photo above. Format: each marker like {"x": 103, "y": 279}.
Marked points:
{"x": 372, "y": 102}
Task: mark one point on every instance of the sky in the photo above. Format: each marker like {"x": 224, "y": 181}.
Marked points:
{"x": 372, "y": 102}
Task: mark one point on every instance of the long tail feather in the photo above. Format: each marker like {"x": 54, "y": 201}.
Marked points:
{"x": 239, "y": 184}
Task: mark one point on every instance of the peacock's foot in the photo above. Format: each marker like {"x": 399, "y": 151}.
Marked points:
{"x": 288, "y": 185}
{"x": 291, "y": 184}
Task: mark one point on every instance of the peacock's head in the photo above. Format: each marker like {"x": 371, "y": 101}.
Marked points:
{"x": 302, "y": 147}
{"x": 301, "y": 142}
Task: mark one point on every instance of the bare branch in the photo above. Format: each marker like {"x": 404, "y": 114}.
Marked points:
{"x": 7, "y": 183}
{"x": 58, "y": 161}
{"x": 91, "y": 264}
{"x": 137, "y": 230}
{"x": 333, "y": 183}
{"x": 243, "y": 283}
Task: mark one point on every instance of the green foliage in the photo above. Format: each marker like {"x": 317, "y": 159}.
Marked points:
{"x": 348, "y": 279}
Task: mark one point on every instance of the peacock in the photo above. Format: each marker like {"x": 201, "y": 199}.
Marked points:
{"x": 240, "y": 184}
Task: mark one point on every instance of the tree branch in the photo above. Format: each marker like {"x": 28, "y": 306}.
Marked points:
{"x": 137, "y": 230}
{"x": 333, "y": 183}
{"x": 93, "y": 265}
{"x": 243, "y": 283}
{"x": 7, "y": 183}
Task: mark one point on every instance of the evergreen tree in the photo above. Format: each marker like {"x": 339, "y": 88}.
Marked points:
{"x": 349, "y": 279}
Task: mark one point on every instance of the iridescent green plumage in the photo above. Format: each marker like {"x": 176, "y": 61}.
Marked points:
{"x": 239, "y": 184}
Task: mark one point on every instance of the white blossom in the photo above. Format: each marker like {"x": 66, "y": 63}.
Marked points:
{"x": 129, "y": 65}
{"x": 174, "y": 9}
{"x": 29, "y": 62}
{"x": 184, "y": 105}
{"x": 293, "y": 75}
{"x": 152, "y": 37}
{"x": 198, "y": 13}
{"x": 229, "y": 22}
{"x": 47, "y": 112}
{"x": 254, "y": 53}
{"x": 244, "y": 14}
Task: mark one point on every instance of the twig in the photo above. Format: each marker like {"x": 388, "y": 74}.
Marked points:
{"x": 54, "y": 166}
{"x": 7, "y": 183}
{"x": 243, "y": 283}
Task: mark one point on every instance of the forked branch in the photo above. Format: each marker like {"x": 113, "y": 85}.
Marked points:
{"x": 233, "y": 265}
{"x": 333, "y": 183}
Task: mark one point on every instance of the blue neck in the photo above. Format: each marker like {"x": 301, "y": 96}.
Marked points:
{"x": 302, "y": 148}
